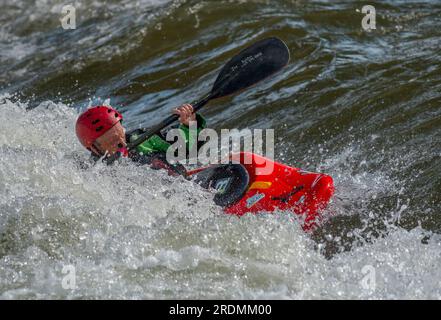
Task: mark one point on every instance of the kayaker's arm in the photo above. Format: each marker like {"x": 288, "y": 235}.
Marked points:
{"x": 158, "y": 143}
{"x": 190, "y": 140}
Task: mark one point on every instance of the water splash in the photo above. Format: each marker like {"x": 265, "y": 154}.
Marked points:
{"x": 134, "y": 233}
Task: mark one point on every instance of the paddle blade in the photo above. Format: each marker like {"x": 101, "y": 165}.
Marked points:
{"x": 250, "y": 66}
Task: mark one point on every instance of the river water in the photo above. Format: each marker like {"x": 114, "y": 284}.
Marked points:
{"x": 361, "y": 106}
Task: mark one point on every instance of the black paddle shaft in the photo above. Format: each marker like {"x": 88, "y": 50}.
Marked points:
{"x": 165, "y": 123}
{"x": 250, "y": 66}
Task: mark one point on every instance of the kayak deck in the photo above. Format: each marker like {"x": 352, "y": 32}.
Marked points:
{"x": 275, "y": 186}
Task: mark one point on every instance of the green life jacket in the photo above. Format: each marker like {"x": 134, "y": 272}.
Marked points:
{"x": 157, "y": 143}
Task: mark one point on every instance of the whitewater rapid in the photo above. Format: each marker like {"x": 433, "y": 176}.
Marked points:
{"x": 130, "y": 232}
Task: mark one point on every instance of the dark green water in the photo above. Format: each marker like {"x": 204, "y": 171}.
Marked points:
{"x": 364, "y": 107}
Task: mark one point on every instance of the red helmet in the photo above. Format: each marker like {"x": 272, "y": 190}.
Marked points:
{"x": 94, "y": 122}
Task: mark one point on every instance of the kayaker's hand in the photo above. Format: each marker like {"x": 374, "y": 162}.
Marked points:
{"x": 185, "y": 113}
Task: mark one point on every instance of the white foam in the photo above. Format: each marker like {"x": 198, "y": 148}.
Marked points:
{"x": 131, "y": 232}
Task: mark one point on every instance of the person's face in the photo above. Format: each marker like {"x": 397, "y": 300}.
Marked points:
{"x": 111, "y": 141}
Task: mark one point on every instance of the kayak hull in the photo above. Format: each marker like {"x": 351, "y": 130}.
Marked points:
{"x": 275, "y": 186}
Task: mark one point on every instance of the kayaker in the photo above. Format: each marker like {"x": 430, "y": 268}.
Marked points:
{"x": 100, "y": 130}
{"x": 240, "y": 187}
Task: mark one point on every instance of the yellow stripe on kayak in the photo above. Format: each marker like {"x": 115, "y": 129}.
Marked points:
{"x": 260, "y": 185}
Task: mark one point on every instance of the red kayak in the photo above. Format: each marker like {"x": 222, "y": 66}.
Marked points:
{"x": 254, "y": 184}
